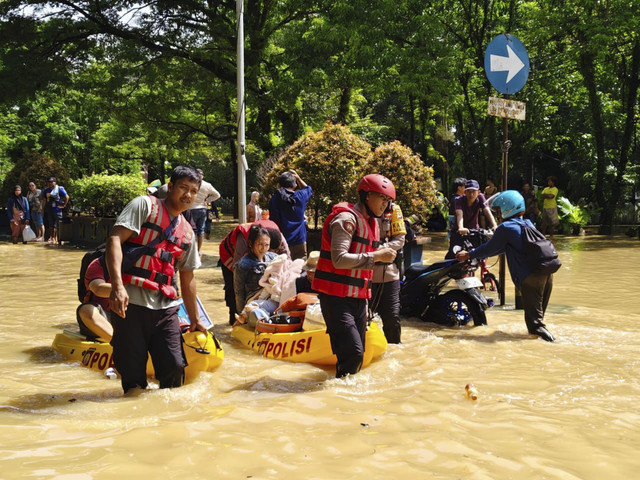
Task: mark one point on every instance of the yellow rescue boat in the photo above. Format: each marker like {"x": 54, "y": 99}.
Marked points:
{"x": 204, "y": 352}
{"x": 306, "y": 346}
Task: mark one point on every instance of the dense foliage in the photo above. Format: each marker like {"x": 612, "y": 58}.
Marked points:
{"x": 118, "y": 86}
{"x": 36, "y": 168}
{"x": 106, "y": 195}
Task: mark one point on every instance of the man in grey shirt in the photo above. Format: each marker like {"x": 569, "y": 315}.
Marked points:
{"x": 143, "y": 299}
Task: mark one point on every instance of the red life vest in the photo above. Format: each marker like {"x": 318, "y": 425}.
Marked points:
{"x": 354, "y": 283}
{"x": 228, "y": 244}
{"x": 155, "y": 270}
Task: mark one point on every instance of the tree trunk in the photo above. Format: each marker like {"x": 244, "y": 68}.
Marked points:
{"x": 412, "y": 123}
{"x": 587, "y": 69}
{"x": 633, "y": 82}
{"x": 345, "y": 103}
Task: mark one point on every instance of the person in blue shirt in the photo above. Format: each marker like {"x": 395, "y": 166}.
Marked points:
{"x": 287, "y": 207}
{"x": 535, "y": 287}
{"x": 55, "y": 199}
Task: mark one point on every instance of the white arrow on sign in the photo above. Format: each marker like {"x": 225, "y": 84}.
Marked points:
{"x": 512, "y": 64}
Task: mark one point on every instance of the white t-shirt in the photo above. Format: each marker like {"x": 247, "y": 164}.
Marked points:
{"x": 205, "y": 195}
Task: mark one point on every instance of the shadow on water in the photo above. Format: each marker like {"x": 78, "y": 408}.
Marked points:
{"x": 44, "y": 355}
{"x": 276, "y": 385}
{"x": 45, "y": 401}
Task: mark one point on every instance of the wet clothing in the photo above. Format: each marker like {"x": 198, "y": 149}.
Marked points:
{"x": 151, "y": 323}
{"x": 535, "y": 288}
{"x": 344, "y": 308}
{"x": 156, "y": 332}
{"x": 385, "y": 300}
{"x": 346, "y": 320}
{"x": 385, "y": 292}
{"x": 286, "y": 209}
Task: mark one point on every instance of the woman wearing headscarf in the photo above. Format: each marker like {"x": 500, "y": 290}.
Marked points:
{"x": 18, "y": 211}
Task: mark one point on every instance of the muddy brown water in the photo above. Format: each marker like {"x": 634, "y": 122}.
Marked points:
{"x": 567, "y": 410}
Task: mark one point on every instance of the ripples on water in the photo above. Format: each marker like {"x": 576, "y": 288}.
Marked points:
{"x": 567, "y": 410}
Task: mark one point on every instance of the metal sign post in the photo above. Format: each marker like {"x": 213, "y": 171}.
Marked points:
{"x": 506, "y": 65}
{"x": 241, "y": 159}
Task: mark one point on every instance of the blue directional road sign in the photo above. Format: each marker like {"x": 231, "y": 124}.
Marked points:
{"x": 506, "y": 64}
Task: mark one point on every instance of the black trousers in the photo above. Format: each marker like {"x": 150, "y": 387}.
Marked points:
{"x": 385, "y": 300}
{"x": 143, "y": 331}
{"x": 229, "y": 293}
{"x": 346, "y": 320}
{"x": 536, "y": 291}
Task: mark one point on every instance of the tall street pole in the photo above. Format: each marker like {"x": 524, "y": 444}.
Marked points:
{"x": 241, "y": 159}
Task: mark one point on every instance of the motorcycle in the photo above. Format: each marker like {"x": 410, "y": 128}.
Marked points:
{"x": 421, "y": 290}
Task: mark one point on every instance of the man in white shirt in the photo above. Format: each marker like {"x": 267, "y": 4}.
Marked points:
{"x": 206, "y": 195}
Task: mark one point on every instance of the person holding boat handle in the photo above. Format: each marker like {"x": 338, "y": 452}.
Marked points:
{"x": 349, "y": 249}
{"x": 144, "y": 298}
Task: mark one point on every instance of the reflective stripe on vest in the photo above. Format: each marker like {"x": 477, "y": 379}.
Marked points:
{"x": 155, "y": 269}
{"x": 354, "y": 283}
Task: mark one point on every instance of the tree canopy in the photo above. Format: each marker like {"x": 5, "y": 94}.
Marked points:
{"x": 117, "y": 86}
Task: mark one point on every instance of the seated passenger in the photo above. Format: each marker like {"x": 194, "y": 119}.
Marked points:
{"x": 92, "y": 314}
{"x": 249, "y": 270}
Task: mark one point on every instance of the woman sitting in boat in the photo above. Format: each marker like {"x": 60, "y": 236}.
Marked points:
{"x": 249, "y": 270}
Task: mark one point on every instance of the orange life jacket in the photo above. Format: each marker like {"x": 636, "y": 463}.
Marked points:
{"x": 228, "y": 245}
{"x": 354, "y": 283}
{"x": 155, "y": 269}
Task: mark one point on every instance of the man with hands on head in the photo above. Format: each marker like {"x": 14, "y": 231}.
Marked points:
{"x": 152, "y": 235}
{"x": 349, "y": 249}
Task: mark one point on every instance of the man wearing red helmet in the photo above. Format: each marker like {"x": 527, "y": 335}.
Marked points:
{"x": 350, "y": 240}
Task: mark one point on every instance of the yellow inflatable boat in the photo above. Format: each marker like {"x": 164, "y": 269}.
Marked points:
{"x": 306, "y": 346}
{"x": 204, "y": 352}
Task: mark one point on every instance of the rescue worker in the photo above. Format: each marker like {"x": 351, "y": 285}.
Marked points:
{"x": 385, "y": 292}
{"x": 234, "y": 246}
{"x": 350, "y": 239}
{"x": 144, "y": 299}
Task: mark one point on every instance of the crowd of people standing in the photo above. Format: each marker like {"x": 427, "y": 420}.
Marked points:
{"x": 37, "y": 215}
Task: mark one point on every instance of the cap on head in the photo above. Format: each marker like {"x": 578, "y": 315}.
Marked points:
{"x": 51, "y": 179}
{"x": 312, "y": 261}
{"x": 377, "y": 183}
{"x": 471, "y": 185}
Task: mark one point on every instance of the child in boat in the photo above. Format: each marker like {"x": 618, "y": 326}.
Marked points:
{"x": 249, "y": 270}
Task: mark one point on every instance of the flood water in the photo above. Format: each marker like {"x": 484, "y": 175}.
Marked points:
{"x": 567, "y": 410}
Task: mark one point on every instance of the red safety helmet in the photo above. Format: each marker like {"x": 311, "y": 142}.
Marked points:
{"x": 377, "y": 183}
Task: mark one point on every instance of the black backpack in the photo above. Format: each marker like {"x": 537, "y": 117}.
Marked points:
{"x": 540, "y": 253}
{"x": 86, "y": 260}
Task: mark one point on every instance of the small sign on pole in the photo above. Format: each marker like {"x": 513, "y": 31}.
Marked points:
{"x": 501, "y": 107}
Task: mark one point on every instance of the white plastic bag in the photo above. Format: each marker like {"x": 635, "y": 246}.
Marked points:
{"x": 28, "y": 234}
{"x": 313, "y": 319}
